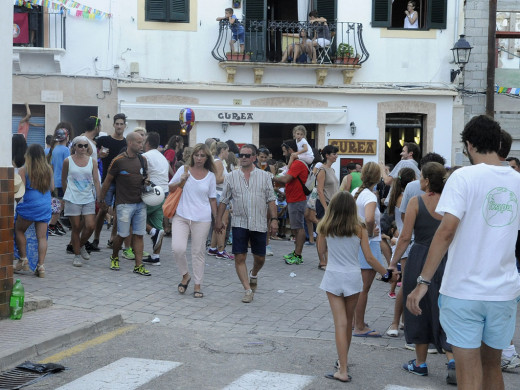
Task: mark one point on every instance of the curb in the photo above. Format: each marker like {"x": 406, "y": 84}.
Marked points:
{"x": 33, "y": 302}
{"x": 11, "y": 358}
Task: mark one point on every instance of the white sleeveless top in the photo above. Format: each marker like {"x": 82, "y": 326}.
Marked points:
{"x": 343, "y": 274}
{"x": 80, "y": 183}
{"x": 407, "y": 23}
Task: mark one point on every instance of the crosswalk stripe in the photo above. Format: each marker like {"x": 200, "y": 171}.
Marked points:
{"x": 260, "y": 380}
{"x": 124, "y": 374}
{"x": 395, "y": 387}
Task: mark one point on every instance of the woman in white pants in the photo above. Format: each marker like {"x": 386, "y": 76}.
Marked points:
{"x": 193, "y": 215}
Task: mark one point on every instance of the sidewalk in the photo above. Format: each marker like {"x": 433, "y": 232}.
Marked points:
{"x": 93, "y": 299}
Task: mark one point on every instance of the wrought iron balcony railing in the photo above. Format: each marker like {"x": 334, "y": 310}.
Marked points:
{"x": 267, "y": 41}
{"x": 47, "y": 29}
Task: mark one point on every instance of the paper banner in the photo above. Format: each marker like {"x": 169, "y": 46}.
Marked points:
{"x": 72, "y": 8}
{"x": 507, "y": 90}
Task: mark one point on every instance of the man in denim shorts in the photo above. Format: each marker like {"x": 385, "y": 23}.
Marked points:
{"x": 127, "y": 169}
{"x": 480, "y": 289}
{"x": 253, "y": 201}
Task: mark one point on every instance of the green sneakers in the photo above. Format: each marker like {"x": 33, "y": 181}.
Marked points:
{"x": 290, "y": 255}
{"x": 294, "y": 259}
{"x": 128, "y": 253}
{"x": 141, "y": 270}
{"x": 114, "y": 263}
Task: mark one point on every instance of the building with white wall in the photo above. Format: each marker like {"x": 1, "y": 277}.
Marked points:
{"x": 398, "y": 90}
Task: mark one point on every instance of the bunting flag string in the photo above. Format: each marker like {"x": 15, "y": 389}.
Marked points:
{"x": 507, "y": 90}
{"x": 72, "y": 8}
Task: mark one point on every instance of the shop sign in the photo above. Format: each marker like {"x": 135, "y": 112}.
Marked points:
{"x": 354, "y": 146}
{"x": 236, "y": 116}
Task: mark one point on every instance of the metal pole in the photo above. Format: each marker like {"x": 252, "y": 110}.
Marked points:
{"x": 490, "y": 89}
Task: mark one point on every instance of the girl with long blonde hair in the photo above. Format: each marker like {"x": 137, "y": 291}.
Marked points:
{"x": 344, "y": 235}
{"x": 35, "y": 206}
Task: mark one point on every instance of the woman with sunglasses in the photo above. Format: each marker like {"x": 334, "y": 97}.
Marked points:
{"x": 80, "y": 181}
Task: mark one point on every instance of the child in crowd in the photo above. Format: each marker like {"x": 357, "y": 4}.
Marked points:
{"x": 304, "y": 152}
{"x": 342, "y": 233}
{"x": 237, "y": 30}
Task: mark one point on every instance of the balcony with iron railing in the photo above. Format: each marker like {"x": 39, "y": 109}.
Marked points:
{"x": 302, "y": 45}
{"x": 43, "y": 45}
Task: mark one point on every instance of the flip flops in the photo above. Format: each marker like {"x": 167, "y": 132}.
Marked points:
{"x": 331, "y": 376}
{"x": 370, "y": 333}
{"x": 181, "y": 288}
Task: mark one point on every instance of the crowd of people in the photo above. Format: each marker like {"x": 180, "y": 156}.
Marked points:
{"x": 380, "y": 220}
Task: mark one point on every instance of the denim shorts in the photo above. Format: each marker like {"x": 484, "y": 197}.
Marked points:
{"x": 242, "y": 236}
{"x": 72, "y": 210}
{"x": 375, "y": 248}
{"x": 110, "y": 196}
{"x": 132, "y": 214}
{"x": 468, "y": 323}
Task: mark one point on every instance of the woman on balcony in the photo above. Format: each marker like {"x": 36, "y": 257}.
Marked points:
{"x": 320, "y": 33}
{"x": 296, "y": 49}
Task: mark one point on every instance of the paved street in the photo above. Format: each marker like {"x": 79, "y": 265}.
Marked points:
{"x": 218, "y": 339}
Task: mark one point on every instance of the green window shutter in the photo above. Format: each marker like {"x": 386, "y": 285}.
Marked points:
{"x": 327, "y": 9}
{"x": 155, "y": 10}
{"x": 179, "y": 10}
{"x": 437, "y": 14}
{"x": 381, "y": 13}
{"x": 255, "y": 9}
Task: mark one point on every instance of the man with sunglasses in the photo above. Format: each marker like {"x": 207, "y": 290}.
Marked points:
{"x": 294, "y": 181}
{"x": 92, "y": 129}
{"x": 253, "y": 203}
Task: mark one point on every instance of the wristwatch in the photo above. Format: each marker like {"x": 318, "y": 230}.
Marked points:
{"x": 420, "y": 280}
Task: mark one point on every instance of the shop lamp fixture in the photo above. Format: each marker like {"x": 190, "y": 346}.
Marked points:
{"x": 461, "y": 52}
{"x": 352, "y": 128}
{"x": 401, "y": 140}
{"x": 225, "y": 126}
{"x": 417, "y": 137}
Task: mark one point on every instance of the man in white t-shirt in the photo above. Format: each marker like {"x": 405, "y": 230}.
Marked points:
{"x": 480, "y": 289}
{"x": 158, "y": 169}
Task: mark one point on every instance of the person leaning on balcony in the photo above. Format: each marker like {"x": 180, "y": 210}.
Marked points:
{"x": 320, "y": 33}
{"x": 237, "y": 30}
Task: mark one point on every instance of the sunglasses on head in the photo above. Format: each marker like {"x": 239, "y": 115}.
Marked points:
{"x": 81, "y": 146}
{"x": 246, "y": 155}
{"x": 97, "y": 120}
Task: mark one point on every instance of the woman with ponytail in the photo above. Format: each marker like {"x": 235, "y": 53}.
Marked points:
{"x": 366, "y": 202}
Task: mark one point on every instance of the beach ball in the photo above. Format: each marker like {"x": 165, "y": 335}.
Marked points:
{"x": 187, "y": 119}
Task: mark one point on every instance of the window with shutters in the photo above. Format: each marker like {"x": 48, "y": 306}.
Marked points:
{"x": 391, "y": 14}
{"x": 177, "y": 11}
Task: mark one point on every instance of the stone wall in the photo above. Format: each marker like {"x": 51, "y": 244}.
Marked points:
{"x": 6, "y": 238}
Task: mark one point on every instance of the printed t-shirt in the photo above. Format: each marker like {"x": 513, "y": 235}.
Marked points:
{"x": 293, "y": 189}
{"x": 129, "y": 179}
{"x": 481, "y": 258}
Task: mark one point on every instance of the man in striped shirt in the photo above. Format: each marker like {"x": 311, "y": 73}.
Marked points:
{"x": 251, "y": 190}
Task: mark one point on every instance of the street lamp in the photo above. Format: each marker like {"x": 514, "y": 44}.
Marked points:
{"x": 352, "y": 128}
{"x": 461, "y": 51}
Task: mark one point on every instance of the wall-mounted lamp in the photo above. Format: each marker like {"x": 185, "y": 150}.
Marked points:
{"x": 224, "y": 126}
{"x": 417, "y": 137}
{"x": 352, "y": 128}
{"x": 461, "y": 51}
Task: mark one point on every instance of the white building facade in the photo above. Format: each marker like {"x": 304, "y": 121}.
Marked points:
{"x": 397, "y": 89}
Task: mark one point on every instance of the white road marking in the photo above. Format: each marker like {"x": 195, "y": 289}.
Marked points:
{"x": 268, "y": 380}
{"x": 125, "y": 374}
{"x": 395, "y": 387}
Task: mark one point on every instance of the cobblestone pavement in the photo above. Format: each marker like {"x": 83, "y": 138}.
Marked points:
{"x": 283, "y": 305}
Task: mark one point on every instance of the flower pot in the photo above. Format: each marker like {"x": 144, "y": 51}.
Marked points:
{"x": 347, "y": 60}
{"x": 236, "y": 57}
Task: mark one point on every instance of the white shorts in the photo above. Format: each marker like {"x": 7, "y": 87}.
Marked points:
{"x": 73, "y": 210}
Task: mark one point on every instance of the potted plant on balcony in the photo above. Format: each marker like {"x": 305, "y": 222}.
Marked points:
{"x": 345, "y": 54}
{"x": 237, "y": 56}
